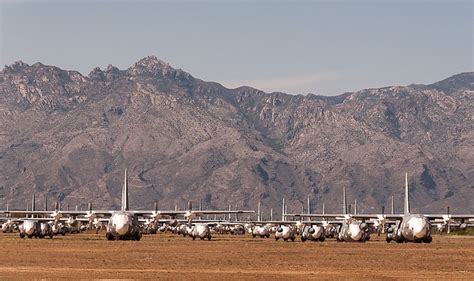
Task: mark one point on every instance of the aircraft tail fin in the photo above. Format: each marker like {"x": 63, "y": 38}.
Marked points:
{"x": 393, "y": 207}
{"x": 125, "y": 193}
{"x": 45, "y": 202}
{"x": 283, "y": 210}
{"x": 344, "y": 201}
{"x": 259, "y": 214}
{"x": 33, "y": 202}
{"x": 309, "y": 205}
{"x": 406, "y": 207}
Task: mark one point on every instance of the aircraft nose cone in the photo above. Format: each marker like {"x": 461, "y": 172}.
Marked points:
{"x": 419, "y": 230}
{"x": 29, "y": 230}
{"x": 122, "y": 228}
{"x": 356, "y": 233}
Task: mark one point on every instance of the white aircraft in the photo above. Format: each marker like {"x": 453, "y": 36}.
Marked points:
{"x": 121, "y": 225}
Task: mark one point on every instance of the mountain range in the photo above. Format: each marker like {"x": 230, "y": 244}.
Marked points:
{"x": 70, "y": 137}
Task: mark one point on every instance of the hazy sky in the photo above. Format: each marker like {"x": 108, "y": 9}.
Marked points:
{"x": 298, "y": 47}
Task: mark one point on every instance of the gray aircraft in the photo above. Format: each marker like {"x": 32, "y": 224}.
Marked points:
{"x": 351, "y": 228}
{"x": 416, "y": 227}
{"x": 406, "y": 227}
{"x": 411, "y": 227}
{"x": 123, "y": 224}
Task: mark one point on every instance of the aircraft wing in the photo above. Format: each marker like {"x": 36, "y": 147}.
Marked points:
{"x": 220, "y": 212}
{"x": 448, "y": 216}
{"x": 342, "y": 216}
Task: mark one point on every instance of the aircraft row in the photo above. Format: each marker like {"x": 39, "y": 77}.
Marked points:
{"x": 127, "y": 224}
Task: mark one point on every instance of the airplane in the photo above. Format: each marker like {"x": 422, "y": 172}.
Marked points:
{"x": 406, "y": 227}
{"x": 350, "y": 229}
{"x": 416, "y": 228}
{"x": 313, "y": 232}
{"x": 121, "y": 225}
{"x": 411, "y": 227}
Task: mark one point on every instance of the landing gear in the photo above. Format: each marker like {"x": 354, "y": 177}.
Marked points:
{"x": 253, "y": 235}
{"x": 22, "y": 235}
{"x": 268, "y": 235}
{"x": 209, "y": 237}
{"x": 194, "y": 237}
{"x": 276, "y": 238}
{"x": 30, "y": 236}
{"x": 399, "y": 240}
{"x": 428, "y": 239}
{"x": 292, "y": 239}
{"x": 388, "y": 238}
{"x": 303, "y": 239}
{"x": 137, "y": 237}
{"x": 322, "y": 238}
{"x": 109, "y": 236}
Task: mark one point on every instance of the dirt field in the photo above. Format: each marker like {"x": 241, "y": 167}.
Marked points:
{"x": 232, "y": 257}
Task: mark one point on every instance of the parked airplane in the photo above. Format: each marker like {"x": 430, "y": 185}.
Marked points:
{"x": 350, "y": 229}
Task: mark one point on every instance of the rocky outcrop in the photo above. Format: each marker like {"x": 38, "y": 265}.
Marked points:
{"x": 71, "y": 137}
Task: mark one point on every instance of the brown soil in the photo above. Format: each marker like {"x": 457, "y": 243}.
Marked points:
{"x": 232, "y": 257}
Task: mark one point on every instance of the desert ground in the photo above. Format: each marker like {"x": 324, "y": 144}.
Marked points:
{"x": 168, "y": 256}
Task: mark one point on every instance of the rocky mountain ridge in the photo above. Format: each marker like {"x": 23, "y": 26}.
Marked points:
{"x": 70, "y": 136}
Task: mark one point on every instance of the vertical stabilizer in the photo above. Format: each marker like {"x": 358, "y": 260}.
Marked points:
{"x": 259, "y": 210}
{"x": 271, "y": 214}
{"x": 45, "y": 202}
{"x": 283, "y": 210}
{"x": 155, "y": 206}
{"x": 355, "y": 207}
{"x": 309, "y": 205}
{"x": 406, "y": 207}
{"x": 344, "y": 202}
{"x": 324, "y": 211}
{"x": 125, "y": 193}
{"x": 393, "y": 207}
{"x": 33, "y": 202}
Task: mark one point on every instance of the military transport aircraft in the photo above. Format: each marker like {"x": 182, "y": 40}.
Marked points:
{"x": 121, "y": 225}
{"x": 407, "y": 227}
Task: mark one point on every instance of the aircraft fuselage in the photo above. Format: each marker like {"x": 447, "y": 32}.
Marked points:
{"x": 123, "y": 226}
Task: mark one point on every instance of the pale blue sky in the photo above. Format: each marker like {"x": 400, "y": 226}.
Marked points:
{"x": 297, "y": 47}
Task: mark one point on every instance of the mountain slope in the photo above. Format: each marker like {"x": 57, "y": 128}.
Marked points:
{"x": 71, "y": 136}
